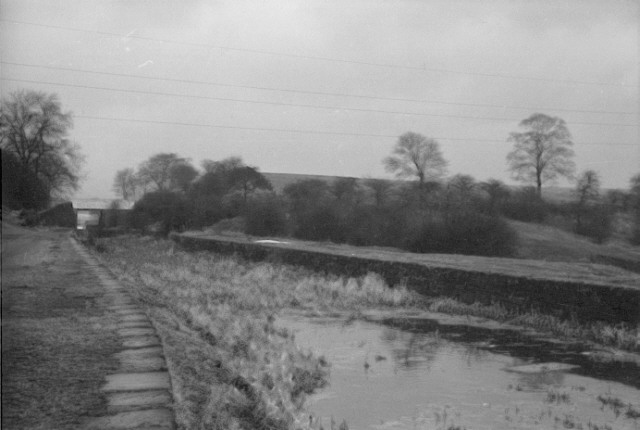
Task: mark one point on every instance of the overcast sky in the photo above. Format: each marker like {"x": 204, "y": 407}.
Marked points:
{"x": 327, "y": 86}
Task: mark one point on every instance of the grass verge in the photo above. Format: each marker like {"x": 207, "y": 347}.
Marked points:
{"x": 56, "y": 345}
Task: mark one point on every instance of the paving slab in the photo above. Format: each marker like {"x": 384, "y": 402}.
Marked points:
{"x": 136, "y": 331}
{"x": 124, "y": 402}
{"x": 140, "y": 341}
{"x": 114, "y": 291}
{"x": 130, "y": 311}
{"x": 134, "y": 317}
{"x": 129, "y": 306}
{"x": 117, "y": 295}
{"x": 134, "y": 324}
{"x": 151, "y": 351}
{"x": 139, "y": 395}
{"x": 156, "y": 419}
{"x": 138, "y": 364}
{"x": 137, "y": 381}
{"x": 119, "y": 299}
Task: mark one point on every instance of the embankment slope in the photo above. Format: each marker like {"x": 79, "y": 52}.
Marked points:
{"x": 586, "y": 291}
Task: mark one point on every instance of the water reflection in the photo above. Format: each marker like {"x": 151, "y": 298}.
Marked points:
{"x": 540, "y": 381}
{"x": 517, "y": 344}
{"x": 407, "y": 374}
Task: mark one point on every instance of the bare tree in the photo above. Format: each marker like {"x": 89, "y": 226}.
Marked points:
{"x": 182, "y": 175}
{"x": 416, "y": 156}
{"x": 497, "y": 192}
{"x": 587, "y": 191}
{"x": 223, "y": 166}
{"x": 247, "y": 179}
{"x": 34, "y": 128}
{"x": 380, "y": 188}
{"x": 125, "y": 183}
{"x": 231, "y": 174}
{"x": 588, "y": 187}
{"x": 542, "y": 152}
{"x": 463, "y": 185}
{"x": 167, "y": 171}
{"x": 460, "y": 191}
{"x": 634, "y": 192}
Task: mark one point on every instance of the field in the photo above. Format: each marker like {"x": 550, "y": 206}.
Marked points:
{"x": 230, "y": 366}
{"x": 543, "y": 242}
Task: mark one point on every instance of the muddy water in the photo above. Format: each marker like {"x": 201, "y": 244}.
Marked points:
{"x": 415, "y": 374}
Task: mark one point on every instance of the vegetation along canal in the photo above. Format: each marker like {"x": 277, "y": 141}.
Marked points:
{"x": 407, "y": 373}
{"x": 268, "y": 345}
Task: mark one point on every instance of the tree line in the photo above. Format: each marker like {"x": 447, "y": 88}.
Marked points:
{"x": 424, "y": 212}
{"x": 429, "y": 214}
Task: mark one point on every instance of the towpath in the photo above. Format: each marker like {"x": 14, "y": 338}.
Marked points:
{"x": 77, "y": 351}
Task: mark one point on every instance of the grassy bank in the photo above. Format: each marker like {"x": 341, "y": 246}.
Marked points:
{"x": 230, "y": 366}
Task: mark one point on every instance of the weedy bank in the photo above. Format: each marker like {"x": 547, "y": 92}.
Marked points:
{"x": 231, "y": 367}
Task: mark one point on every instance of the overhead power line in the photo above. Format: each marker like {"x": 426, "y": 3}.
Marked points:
{"x": 327, "y": 59}
{"x": 309, "y": 106}
{"x": 302, "y": 131}
{"x": 361, "y": 96}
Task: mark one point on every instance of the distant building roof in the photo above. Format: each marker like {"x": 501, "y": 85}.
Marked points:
{"x": 98, "y": 204}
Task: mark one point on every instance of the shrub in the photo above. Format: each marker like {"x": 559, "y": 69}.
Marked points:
{"x": 429, "y": 236}
{"x": 167, "y": 209}
{"x": 320, "y": 223}
{"x": 61, "y": 215}
{"x": 464, "y": 232}
{"x": 265, "y": 216}
{"x": 233, "y": 204}
{"x": 205, "y": 210}
{"x": 21, "y": 189}
{"x": 596, "y": 223}
{"x": 235, "y": 225}
{"x": 29, "y": 217}
{"x": 375, "y": 225}
{"x": 525, "y": 205}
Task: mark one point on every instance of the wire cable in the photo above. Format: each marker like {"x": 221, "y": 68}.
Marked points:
{"x": 332, "y": 108}
{"x": 361, "y": 96}
{"x": 317, "y": 132}
{"x": 326, "y": 59}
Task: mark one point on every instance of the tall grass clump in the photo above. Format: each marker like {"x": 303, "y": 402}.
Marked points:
{"x": 620, "y": 336}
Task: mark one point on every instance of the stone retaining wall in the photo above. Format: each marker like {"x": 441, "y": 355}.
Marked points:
{"x": 561, "y": 298}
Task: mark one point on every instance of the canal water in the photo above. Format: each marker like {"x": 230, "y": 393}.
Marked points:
{"x": 416, "y": 373}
